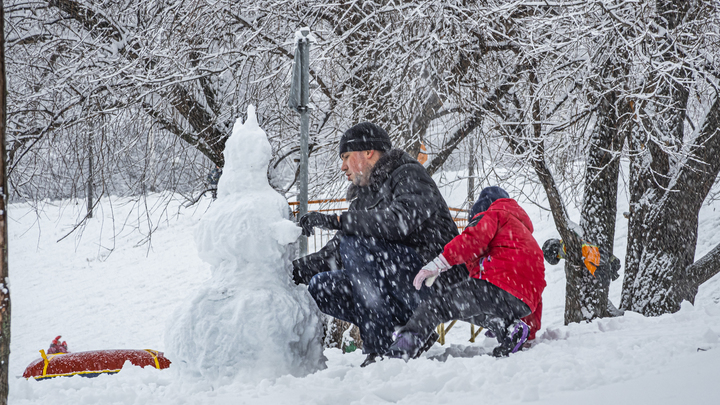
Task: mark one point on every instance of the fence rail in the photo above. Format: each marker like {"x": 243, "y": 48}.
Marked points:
{"x": 322, "y": 236}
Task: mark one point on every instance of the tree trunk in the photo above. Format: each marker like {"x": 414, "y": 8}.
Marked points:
{"x": 421, "y": 122}
{"x": 4, "y": 287}
{"x": 599, "y": 210}
{"x": 471, "y": 173}
{"x": 568, "y": 231}
{"x": 648, "y": 174}
{"x": 574, "y": 267}
{"x": 90, "y": 173}
{"x": 664, "y": 276}
{"x": 666, "y": 191}
{"x": 703, "y": 269}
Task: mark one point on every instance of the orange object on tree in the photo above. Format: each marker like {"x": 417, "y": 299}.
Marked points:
{"x": 422, "y": 157}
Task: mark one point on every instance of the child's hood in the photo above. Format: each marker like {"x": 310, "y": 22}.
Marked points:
{"x": 511, "y": 207}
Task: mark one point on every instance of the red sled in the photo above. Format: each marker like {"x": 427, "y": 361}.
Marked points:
{"x": 92, "y": 363}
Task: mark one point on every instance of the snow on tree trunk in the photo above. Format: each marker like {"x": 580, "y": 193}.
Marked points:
{"x": 671, "y": 173}
{"x": 248, "y": 321}
{"x": 664, "y": 221}
{"x": 599, "y": 209}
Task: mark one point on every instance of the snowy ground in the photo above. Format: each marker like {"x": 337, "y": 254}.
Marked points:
{"x": 101, "y": 300}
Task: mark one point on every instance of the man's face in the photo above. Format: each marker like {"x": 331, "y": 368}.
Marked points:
{"x": 357, "y": 166}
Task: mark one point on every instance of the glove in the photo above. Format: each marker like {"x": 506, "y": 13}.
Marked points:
{"x": 608, "y": 272}
{"x": 313, "y": 219}
{"x": 614, "y": 267}
{"x": 430, "y": 272}
{"x": 602, "y": 276}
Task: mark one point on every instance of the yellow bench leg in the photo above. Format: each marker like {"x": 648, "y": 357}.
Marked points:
{"x": 442, "y": 330}
{"x": 474, "y": 334}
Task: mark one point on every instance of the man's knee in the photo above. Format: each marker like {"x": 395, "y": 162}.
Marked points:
{"x": 324, "y": 286}
{"x": 314, "y": 287}
{"x": 320, "y": 291}
{"x": 320, "y": 286}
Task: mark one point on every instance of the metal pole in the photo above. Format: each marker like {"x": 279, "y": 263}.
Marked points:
{"x": 90, "y": 171}
{"x": 304, "y": 47}
{"x": 471, "y": 175}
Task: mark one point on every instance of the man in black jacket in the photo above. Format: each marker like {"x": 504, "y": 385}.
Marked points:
{"x": 396, "y": 222}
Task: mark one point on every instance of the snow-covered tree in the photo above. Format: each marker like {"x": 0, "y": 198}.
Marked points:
{"x": 142, "y": 94}
{"x": 674, "y": 151}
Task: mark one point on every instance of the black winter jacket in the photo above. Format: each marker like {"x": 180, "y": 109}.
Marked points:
{"x": 401, "y": 204}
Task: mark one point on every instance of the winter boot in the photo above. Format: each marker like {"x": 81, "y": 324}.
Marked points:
{"x": 370, "y": 359}
{"x": 407, "y": 345}
{"x": 514, "y": 341}
{"x": 428, "y": 344}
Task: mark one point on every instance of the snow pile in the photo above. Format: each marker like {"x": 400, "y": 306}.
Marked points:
{"x": 249, "y": 321}
{"x": 122, "y": 300}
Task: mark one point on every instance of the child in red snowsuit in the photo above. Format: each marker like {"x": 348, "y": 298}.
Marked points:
{"x": 507, "y": 278}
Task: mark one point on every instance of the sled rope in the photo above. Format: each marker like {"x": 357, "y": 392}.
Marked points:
{"x": 45, "y": 360}
{"x": 154, "y": 353}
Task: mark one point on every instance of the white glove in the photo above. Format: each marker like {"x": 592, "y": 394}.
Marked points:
{"x": 431, "y": 271}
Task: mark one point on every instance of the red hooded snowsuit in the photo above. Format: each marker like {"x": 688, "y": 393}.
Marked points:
{"x": 512, "y": 259}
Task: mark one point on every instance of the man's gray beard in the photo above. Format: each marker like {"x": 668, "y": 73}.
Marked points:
{"x": 361, "y": 181}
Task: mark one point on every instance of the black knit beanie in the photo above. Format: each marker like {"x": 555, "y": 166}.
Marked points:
{"x": 487, "y": 196}
{"x": 365, "y": 136}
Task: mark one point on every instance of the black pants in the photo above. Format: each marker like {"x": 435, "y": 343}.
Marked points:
{"x": 373, "y": 290}
{"x": 472, "y": 300}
